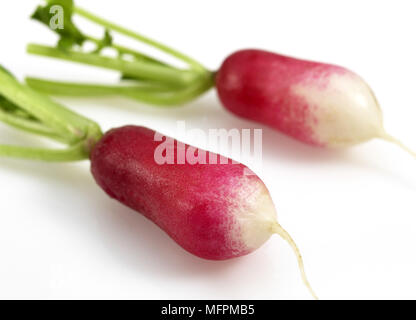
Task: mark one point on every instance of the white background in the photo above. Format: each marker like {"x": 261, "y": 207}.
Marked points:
{"x": 352, "y": 212}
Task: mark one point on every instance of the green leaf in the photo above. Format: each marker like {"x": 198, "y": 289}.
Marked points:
{"x": 69, "y": 34}
{"x": 107, "y": 41}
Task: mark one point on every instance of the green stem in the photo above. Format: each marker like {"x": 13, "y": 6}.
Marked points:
{"x": 134, "y": 53}
{"x": 45, "y": 117}
{"x": 132, "y": 68}
{"x": 70, "y": 89}
{"x": 152, "y": 95}
{"x": 175, "y": 98}
{"x": 61, "y": 120}
{"x": 31, "y": 126}
{"x": 75, "y": 153}
{"x": 109, "y": 25}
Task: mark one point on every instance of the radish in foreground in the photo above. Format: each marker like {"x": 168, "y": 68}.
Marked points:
{"x": 316, "y": 103}
{"x": 214, "y": 211}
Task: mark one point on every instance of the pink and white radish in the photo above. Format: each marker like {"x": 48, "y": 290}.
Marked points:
{"x": 214, "y": 211}
{"x": 316, "y": 103}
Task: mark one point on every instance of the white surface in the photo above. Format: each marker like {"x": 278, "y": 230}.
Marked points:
{"x": 352, "y": 213}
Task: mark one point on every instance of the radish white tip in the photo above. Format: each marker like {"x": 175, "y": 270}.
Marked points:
{"x": 385, "y": 136}
{"x": 278, "y": 229}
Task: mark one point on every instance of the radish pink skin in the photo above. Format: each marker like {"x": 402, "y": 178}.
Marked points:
{"x": 193, "y": 204}
{"x": 257, "y": 85}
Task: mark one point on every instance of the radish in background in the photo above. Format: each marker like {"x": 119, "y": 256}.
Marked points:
{"x": 316, "y": 103}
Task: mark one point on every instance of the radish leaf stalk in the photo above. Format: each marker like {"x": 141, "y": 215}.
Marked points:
{"x": 28, "y": 110}
{"x": 148, "y": 93}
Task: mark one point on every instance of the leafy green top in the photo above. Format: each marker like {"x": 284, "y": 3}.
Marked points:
{"x": 30, "y": 111}
{"x": 152, "y": 80}
{"x": 70, "y": 35}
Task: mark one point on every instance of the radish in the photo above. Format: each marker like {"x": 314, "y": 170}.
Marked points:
{"x": 214, "y": 211}
{"x": 316, "y": 103}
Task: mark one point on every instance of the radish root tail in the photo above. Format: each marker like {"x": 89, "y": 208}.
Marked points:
{"x": 278, "y": 229}
{"x": 389, "y": 138}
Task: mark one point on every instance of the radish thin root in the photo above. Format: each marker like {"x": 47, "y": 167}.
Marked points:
{"x": 278, "y": 229}
{"x": 385, "y": 136}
